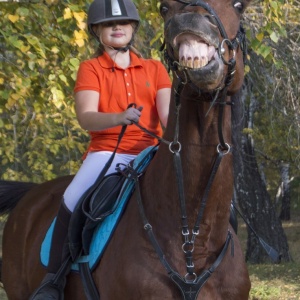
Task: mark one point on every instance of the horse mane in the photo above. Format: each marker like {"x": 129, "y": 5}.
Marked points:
{"x": 237, "y": 118}
{"x": 11, "y": 192}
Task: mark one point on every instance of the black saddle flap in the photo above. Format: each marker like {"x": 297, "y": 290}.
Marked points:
{"x": 91, "y": 209}
{"x": 102, "y": 203}
{"x": 103, "y": 200}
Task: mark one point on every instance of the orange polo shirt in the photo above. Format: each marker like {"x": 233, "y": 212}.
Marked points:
{"x": 118, "y": 88}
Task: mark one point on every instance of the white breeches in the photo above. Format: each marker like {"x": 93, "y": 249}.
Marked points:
{"x": 88, "y": 173}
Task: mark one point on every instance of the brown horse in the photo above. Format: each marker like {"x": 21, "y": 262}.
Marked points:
{"x": 188, "y": 184}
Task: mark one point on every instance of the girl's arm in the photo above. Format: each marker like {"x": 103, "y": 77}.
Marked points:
{"x": 86, "y": 105}
{"x": 162, "y": 104}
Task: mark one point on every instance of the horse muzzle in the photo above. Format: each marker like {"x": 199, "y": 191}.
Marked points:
{"x": 192, "y": 41}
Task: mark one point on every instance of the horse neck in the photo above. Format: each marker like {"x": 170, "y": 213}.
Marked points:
{"x": 198, "y": 136}
{"x": 198, "y": 131}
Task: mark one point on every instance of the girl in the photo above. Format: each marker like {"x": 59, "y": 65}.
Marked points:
{"x": 104, "y": 88}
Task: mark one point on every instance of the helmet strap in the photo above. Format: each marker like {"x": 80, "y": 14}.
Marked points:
{"x": 124, "y": 49}
{"x": 119, "y": 49}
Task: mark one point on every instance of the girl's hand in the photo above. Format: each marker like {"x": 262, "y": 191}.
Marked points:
{"x": 130, "y": 115}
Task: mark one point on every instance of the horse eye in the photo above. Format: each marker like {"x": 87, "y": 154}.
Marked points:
{"x": 239, "y": 6}
{"x": 163, "y": 10}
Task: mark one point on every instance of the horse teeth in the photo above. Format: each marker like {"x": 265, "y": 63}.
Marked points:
{"x": 196, "y": 63}
{"x": 182, "y": 62}
{"x": 203, "y": 62}
{"x": 190, "y": 63}
{"x": 194, "y": 54}
{"x": 193, "y": 62}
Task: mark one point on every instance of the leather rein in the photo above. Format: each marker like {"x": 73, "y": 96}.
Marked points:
{"x": 191, "y": 284}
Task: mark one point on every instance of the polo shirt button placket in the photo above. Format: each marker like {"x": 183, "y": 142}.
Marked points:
{"x": 128, "y": 87}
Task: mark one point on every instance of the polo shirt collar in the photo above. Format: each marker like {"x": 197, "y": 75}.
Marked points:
{"x": 107, "y": 63}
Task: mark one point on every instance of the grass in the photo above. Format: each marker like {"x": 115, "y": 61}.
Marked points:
{"x": 269, "y": 281}
{"x": 281, "y": 281}
{"x": 273, "y": 282}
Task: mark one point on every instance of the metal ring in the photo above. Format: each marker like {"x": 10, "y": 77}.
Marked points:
{"x": 173, "y": 151}
{"x": 189, "y": 244}
{"x": 189, "y": 280}
{"x": 221, "y": 51}
{"x": 183, "y": 70}
{"x": 219, "y": 149}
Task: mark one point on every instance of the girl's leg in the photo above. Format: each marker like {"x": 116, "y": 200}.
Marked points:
{"x": 88, "y": 173}
{"x": 85, "y": 177}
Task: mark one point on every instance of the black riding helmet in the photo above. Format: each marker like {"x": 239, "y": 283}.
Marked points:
{"x": 101, "y": 11}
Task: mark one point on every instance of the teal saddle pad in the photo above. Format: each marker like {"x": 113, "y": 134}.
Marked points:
{"x": 104, "y": 230}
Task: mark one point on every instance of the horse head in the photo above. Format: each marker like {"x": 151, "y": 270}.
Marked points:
{"x": 205, "y": 42}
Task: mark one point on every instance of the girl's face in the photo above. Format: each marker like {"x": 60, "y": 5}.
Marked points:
{"x": 115, "y": 34}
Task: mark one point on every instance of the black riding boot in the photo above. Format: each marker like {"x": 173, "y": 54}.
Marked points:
{"x": 53, "y": 284}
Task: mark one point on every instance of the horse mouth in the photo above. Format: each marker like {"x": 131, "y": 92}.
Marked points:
{"x": 195, "y": 52}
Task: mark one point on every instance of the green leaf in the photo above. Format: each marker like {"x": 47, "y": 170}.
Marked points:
{"x": 63, "y": 78}
{"x": 74, "y": 62}
{"x": 23, "y": 11}
{"x": 13, "y": 40}
{"x": 274, "y": 37}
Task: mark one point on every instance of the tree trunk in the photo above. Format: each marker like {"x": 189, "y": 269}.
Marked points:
{"x": 252, "y": 196}
{"x": 285, "y": 214}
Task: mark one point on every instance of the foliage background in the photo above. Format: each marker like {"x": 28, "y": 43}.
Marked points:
{"x": 273, "y": 78}
{"x": 43, "y": 42}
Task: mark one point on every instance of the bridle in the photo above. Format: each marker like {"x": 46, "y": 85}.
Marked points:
{"x": 238, "y": 41}
{"x": 220, "y": 93}
{"x": 191, "y": 284}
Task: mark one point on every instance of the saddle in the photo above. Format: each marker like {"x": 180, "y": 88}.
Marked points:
{"x": 96, "y": 216}
{"x": 91, "y": 211}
